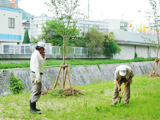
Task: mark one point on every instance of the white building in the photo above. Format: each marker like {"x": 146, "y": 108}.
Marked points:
{"x": 10, "y": 25}
{"x": 36, "y": 24}
{"x": 117, "y": 24}
{"x": 84, "y": 26}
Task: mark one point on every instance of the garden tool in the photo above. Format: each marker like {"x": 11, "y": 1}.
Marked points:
{"x": 120, "y": 96}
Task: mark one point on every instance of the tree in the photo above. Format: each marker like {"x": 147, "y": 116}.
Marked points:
{"x": 78, "y": 41}
{"x": 65, "y": 11}
{"x": 110, "y": 47}
{"x": 94, "y": 41}
{"x": 154, "y": 16}
{"x": 26, "y": 37}
{"x": 52, "y": 35}
{"x": 34, "y": 40}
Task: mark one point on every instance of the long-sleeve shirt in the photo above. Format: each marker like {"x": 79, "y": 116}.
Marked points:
{"x": 36, "y": 64}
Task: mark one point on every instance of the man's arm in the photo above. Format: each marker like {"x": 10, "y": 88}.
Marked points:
{"x": 118, "y": 85}
{"x": 128, "y": 81}
{"x": 37, "y": 73}
{"x": 131, "y": 76}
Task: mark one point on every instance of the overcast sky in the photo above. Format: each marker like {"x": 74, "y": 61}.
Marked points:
{"x": 99, "y": 9}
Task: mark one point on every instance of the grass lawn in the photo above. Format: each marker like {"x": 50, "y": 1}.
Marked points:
{"x": 95, "y": 104}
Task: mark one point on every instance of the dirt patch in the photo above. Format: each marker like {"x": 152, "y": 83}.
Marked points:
{"x": 45, "y": 92}
{"x": 66, "y": 91}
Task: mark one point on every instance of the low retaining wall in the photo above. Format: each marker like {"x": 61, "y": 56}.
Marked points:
{"x": 79, "y": 75}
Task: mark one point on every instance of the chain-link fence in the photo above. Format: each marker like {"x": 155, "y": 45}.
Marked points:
{"x": 29, "y": 49}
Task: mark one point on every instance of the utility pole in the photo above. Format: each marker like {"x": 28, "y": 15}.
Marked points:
{"x": 88, "y": 10}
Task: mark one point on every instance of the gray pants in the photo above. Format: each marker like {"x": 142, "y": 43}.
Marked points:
{"x": 35, "y": 91}
{"x": 126, "y": 95}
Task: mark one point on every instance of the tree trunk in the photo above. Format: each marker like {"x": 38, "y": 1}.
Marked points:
{"x": 64, "y": 51}
{"x": 158, "y": 43}
{"x": 63, "y": 59}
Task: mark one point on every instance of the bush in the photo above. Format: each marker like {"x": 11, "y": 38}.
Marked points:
{"x": 94, "y": 42}
{"x": 110, "y": 47}
{"x": 17, "y": 85}
{"x": 135, "y": 56}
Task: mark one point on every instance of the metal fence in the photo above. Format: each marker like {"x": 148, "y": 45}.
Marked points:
{"x": 29, "y": 49}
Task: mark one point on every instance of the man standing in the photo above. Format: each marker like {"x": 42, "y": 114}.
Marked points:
{"x": 123, "y": 74}
{"x": 36, "y": 66}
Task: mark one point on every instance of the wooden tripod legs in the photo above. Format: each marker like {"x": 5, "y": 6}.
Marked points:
{"x": 154, "y": 71}
{"x": 65, "y": 67}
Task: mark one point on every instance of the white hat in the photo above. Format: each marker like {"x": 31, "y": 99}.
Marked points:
{"x": 41, "y": 44}
{"x": 122, "y": 71}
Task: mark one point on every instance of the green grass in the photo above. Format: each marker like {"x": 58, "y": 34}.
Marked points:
{"x": 95, "y": 104}
{"x": 74, "y": 62}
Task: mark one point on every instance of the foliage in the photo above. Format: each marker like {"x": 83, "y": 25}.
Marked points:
{"x": 78, "y": 41}
{"x": 110, "y": 47}
{"x": 65, "y": 11}
{"x": 75, "y": 62}
{"x": 154, "y": 16}
{"x": 34, "y": 40}
{"x": 94, "y": 41}
{"x": 56, "y": 92}
{"x": 17, "y": 86}
{"x": 51, "y": 34}
{"x": 26, "y": 37}
{"x": 135, "y": 56}
{"x": 95, "y": 104}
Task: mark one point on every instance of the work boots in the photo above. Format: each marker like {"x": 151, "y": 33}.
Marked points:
{"x": 33, "y": 108}
{"x": 36, "y": 108}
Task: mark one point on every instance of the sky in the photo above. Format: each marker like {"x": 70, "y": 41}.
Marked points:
{"x": 99, "y": 9}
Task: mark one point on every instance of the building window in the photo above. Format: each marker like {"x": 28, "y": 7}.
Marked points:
{"x": 11, "y": 23}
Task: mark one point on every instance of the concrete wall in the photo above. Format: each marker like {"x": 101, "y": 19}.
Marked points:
{"x": 153, "y": 52}
{"x": 131, "y": 36}
{"x": 79, "y": 75}
{"x": 10, "y": 34}
{"x": 127, "y": 52}
{"x": 142, "y": 51}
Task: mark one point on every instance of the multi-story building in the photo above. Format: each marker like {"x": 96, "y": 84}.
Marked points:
{"x": 84, "y": 26}
{"x": 36, "y": 24}
{"x": 10, "y": 23}
{"x": 117, "y": 24}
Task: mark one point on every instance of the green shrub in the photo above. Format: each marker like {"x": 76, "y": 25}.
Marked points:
{"x": 110, "y": 47}
{"x": 135, "y": 55}
{"x": 56, "y": 92}
{"x": 17, "y": 85}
